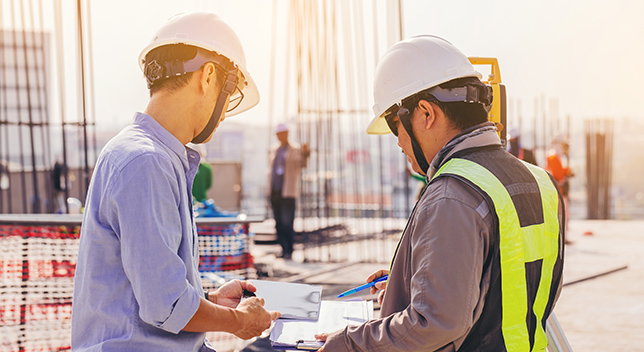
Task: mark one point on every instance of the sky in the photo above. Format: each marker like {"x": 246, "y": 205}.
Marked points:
{"x": 586, "y": 54}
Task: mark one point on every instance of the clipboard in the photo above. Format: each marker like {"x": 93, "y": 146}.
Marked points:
{"x": 294, "y": 334}
{"x": 293, "y": 301}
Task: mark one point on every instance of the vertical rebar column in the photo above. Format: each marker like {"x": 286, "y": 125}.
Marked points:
{"x": 544, "y": 130}
{"x": 534, "y": 128}
{"x": 23, "y": 181}
{"x": 599, "y": 150}
{"x": 591, "y": 201}
{"x": 61, "y": 87}
{"x": 31, "y": 124}
{"x": 608, "y": 168}
{"x": 4, "y": 128}
{"x": 42, "y": 93}
{"x": 81, "y": 58}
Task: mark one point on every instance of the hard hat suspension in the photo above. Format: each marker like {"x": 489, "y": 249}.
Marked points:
{"x": 155, "y": 71}
{"x": 405, "y": 118}
{"x": 227, "y": 90}
{"x": 467, "y": 94}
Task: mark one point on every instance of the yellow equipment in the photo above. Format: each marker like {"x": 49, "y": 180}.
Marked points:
{"x": 498, "y": 112}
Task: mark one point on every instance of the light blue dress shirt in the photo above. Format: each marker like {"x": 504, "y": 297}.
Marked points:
{"x": 137, "y": 282}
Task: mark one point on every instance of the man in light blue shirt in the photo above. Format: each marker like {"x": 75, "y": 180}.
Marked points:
{"x": 137, "y": 286}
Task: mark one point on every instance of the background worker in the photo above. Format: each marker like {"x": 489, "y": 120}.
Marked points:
{"x": 559, "y": 170}
{"x": 137, "y": 286}
{"x": 286, "y": 161}
{"x": 203, "y": 178}
{"x": 515, "y": 148}
{"x": 556, "y": 166}
{"x": 478, "y": 267}
{"x": 58, "y": 185}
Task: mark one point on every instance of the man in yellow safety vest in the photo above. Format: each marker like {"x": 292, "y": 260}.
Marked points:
{"x": 479, "y": 265}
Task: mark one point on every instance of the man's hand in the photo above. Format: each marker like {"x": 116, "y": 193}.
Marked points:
{"x": 305, "y": 150}
{"x": 226, "y": 312}
{"x": 254, "y": 318}
{"x": 230, "y": 294}
{"x": 252, "y": 315}
{"x": 321, "y": 337}
{"x": 379, "y": 285}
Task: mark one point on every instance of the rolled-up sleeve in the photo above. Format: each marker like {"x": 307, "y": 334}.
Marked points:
{"x": 145, "y": 211}
{"x": 446, "y": 265}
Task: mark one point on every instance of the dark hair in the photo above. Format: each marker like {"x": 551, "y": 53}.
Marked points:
{"x": 168, "y": 53}
{"x": 461, "y": 115}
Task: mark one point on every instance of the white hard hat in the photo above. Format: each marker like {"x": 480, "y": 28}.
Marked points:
{"x": 281, "y": 127}
{"x": 560, "y": 138}
{"x": 411, "y": 66}
{"x": 208, "y": 31}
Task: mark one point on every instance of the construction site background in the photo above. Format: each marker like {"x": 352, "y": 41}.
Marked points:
{"x": 247, "y": 147}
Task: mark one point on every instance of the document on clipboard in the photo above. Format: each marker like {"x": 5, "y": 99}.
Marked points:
{"x": 293, "y": 334}
{"x": 293, "y": 301}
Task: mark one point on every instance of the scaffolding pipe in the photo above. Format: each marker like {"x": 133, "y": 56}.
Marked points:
{"x": 61, "y": 87}
{"x": 81, "y": 67}
{"x": 23, "y": 176}
{"x": 44, "y": 131}
{"x": 34, "y": 173}
{"x": 4, "y": 152}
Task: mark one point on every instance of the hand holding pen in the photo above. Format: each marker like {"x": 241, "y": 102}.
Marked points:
{"x": 380, "y": 285}
{"x": 376, "y": 281}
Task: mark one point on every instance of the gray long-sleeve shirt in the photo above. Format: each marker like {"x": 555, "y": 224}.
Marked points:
{"x": 437, "y": 285}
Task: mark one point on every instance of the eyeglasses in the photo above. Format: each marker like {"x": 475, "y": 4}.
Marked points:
{"x": 235, "y": 99}
{"x": 390, "y": 117}
{"x": 237, "y": 96}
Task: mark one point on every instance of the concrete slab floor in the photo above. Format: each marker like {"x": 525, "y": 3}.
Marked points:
{"x": 605, "y": 313}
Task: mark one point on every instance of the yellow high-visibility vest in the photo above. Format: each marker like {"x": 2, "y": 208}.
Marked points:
{"x": 517, "y": 247}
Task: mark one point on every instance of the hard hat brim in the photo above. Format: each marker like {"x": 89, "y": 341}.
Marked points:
{"x": 378, "y": 126}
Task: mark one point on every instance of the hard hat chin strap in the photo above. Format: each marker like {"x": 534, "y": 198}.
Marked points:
{"x": 405, "y": 119}
{"x": 226, "y": 90}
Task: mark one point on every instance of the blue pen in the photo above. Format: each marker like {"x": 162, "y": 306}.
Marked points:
{"x": 365, "y": 286}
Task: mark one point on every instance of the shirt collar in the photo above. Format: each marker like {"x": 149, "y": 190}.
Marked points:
{"x": 166, "y": 138}
{"x": 476, "y": 136}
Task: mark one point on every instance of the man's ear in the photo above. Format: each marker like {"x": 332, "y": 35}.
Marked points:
{"x": 207, "y": 76}
{"x": 429, "y": 110}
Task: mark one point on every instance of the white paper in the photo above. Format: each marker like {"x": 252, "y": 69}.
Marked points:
{"x": 334, "y": 315}
{"x": 293, "y": 301}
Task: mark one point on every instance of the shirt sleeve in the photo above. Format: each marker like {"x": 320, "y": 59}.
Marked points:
{"x": 144, "y": 204}
{"x": 448, "y": 249}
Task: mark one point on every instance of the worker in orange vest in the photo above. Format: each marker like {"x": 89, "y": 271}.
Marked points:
{"x": 554, "y": 164}
{"x": 560, "y": 172}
